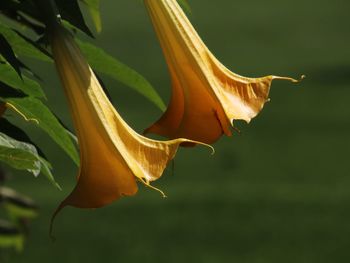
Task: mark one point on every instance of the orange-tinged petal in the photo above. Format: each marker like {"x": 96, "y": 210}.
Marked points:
{"x": 206, "y": 96}
{"x": 112, "y": 155}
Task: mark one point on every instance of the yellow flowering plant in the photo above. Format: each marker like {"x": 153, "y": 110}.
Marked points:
{"x": 206, "y": 98}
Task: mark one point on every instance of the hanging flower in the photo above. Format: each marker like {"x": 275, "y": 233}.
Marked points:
{"x": 206, "y": 96}
{"x": 112, "y": 155}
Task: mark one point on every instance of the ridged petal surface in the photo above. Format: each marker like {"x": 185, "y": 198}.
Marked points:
{"x": 206, "y": 96}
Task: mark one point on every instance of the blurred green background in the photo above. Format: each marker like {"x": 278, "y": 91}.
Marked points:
{"x": 278, "y": 192}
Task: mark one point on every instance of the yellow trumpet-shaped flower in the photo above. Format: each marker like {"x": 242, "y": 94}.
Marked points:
{"x": 206, "y": 96}
{"x": 112, "y": 155}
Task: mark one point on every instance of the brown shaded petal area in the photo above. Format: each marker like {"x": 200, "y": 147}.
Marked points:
{"x": 206, "y": 96}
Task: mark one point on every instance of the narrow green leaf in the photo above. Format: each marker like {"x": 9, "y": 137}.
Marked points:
{"x": 70, "y": 11}
{"x": 99, "y": 60}
{"x": 7, "y": 52}
{"x": 94, "y": 9}
{"x": 17, "y": 133}
{"x": 9, "y": 92}
{"x": 10, "y": 236}
{"x": 104, "y": 63}
{"x": 18, "y": 205}
{"x": 30, "y": 87}
{"x": 16, "y": 212}
{"x": 21, "y": 140}
{"x": 46, "y": 170}
{"x": 21, "y": 46}
{"x": 19, "y": 155}
{"x": 33, "y": 109}
{"x": 19, "y": 159}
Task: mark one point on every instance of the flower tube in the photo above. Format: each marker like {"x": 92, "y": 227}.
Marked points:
{"x": 112, "y": 155}
{"x": 206, "y": 97}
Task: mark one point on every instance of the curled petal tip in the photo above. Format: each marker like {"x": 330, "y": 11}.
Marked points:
{"x": 147, "y": 184}
{"x": 212, "y": 150}
{"x": 52, "y": 221}
{"x": 290, "y": 79}
{"x": 302, "y": 77}
{"x": 207, "y": 145}
{"x": 191, "y": 143}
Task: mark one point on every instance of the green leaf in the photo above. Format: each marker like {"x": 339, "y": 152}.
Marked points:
{"x": 10, "y": 236}
{"x": 22, "y": 46}
{"x": 17, "y": 133}
{"x": 70, "y": 11}
{"x": 9, "y": 92}
{"x": 19, "y": 159}
{"x": 30, "y": 87}
{"x": 18, "y": 206}
{"x": 99, "y": 60}
{"x": 19, "y": 155}
{"x": 33, "y": 109}
{"x": 7, "y": 52}
{"x": 25, "y": 13}
{"x": 23, "y": 155}
{"x": 46, "y": 170}
{"x": 104, "y": 63}
{"x": 94, "y": 9}
{"x": 17, "y": 212}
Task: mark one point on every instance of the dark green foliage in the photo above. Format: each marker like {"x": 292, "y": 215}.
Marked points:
{"x": 21, "y": 88}
{"x": 7, "y": 52}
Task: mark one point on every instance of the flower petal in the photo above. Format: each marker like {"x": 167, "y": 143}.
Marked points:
{"x": 112, "y": 155}
{"x": 206, "y": 96}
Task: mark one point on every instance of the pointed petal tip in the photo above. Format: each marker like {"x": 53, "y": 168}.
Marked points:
{"x": 182, "y": 141}
{"x": 52, "y": 221}
{"x": 203, "y": 144}
{"x": 147, "y": 184}
{"x": 211, "y": 147}
{"x": 288, "y": 78}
